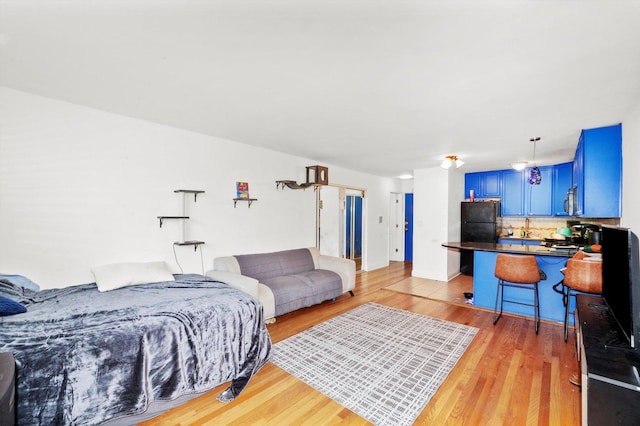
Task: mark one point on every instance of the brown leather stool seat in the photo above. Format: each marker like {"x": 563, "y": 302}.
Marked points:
{"x": 580, "y": 276}
{"x": 519, "y": 272}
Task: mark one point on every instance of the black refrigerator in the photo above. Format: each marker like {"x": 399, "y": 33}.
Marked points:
{"x": 479, "y": 225}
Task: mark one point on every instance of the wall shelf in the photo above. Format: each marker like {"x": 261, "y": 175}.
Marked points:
{"x": 193, "y": 243}
{"x": 248, "y": 200}
{"x": 292, "y": 184}
{"x": 195, "y": 193}
{"x": 183, "y": 240}
{"x": 163, "y": 218}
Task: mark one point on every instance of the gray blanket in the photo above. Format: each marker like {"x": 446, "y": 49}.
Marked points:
{"x": 84, "y": 357}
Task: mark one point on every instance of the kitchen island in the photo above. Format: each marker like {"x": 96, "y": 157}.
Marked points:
{"x": 485, "y": 284}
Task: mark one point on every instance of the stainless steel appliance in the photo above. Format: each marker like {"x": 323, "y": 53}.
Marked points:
{"x": 478, "y": 226}
{"x": 570, "y": 202}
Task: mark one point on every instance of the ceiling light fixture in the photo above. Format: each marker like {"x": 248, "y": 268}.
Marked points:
{"x": 406, "y": 176}
{"x": 534, "y": 174}
{"x": 450, "y": 160}
{"x": 519, "y": 165}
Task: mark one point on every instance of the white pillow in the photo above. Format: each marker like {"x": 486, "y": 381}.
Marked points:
{"x": 117, "y": 275}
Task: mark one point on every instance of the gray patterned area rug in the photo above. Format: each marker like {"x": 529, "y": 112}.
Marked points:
{"x": 382, "y": 363}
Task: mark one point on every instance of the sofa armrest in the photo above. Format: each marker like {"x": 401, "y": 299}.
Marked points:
{"x": 241, "y": 282}
{"x": 346, "y": 268}
{"x": 226, "y": 263}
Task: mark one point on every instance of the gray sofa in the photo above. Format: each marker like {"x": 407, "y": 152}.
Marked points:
{"x": 287, "y": 280}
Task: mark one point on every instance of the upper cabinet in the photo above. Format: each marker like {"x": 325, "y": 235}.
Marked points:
{"x": 538, "y": 199}
{"x": 562, "y": 178}
{"x": 520, "y": 198}
{"x": 597, "y": 172}
{"x": 483, "y": 184}
{"x": 595, "y": 175}
{"x": 512, "y": 193}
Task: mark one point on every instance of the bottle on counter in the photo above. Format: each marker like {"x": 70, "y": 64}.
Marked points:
{"x": 510, "y": 231}
{"x": 522, "y": 232}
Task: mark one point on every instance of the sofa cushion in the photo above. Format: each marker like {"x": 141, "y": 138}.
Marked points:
{"x": 304, "y": 289}
{"x": 263, "y": 266}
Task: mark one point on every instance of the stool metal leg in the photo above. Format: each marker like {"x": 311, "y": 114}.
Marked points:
{"x": 566, "y": 315}
{"x": 536, "y": 303}
{"x": 500, "y": 297}
{"x": 499, "y": 294}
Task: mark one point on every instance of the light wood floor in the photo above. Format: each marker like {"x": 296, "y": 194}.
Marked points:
{"x": 508, "y": 375}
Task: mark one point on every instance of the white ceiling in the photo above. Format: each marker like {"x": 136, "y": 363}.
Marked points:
{"x": 383, "y": 87}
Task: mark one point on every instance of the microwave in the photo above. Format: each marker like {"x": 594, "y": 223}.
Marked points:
{"x": 570, "y": 202}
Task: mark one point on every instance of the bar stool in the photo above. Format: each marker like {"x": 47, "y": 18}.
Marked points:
{"x": 519, "y": 272}
{"x": 580, "y": 276}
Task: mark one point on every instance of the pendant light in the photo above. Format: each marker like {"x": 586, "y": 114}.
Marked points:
{"x": 534, "y": 174}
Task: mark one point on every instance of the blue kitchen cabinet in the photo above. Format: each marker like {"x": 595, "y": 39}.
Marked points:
{"x": 512, "y": 193}
{"x": 491, "y": 184}
{"x": 538, "y": 197}
{"x": 520, "y": 241}
{"x": 485, "y": 285}
{"x": 520, "y": 198}
{"x": 484, "y": 184}
{"x": 597, "y": 172}
{"x": 562, "y": 178}
{"x": 471, "y": 182}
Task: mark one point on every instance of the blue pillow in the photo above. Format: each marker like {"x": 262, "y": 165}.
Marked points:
{"x": 9, "y": 307}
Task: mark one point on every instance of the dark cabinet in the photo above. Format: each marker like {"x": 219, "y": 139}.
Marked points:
{"x": 562, "y": 181}
{"x": 597, "y": 172}
{"x": 609, "y": 369}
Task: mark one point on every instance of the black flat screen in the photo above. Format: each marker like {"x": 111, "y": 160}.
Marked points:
{"x": 620, "y": 279}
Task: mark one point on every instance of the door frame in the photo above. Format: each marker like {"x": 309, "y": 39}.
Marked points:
{"x": 396, "y": 227}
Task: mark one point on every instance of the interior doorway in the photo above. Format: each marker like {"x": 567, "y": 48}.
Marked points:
{"x": 353, "y": 229}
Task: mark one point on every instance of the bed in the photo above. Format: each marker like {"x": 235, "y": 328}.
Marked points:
{"x": 85, "y": 356}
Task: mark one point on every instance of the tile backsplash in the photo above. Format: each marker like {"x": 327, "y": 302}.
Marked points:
{"x": 544, "y": 227}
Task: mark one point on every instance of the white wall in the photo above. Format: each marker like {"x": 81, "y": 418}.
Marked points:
{"x": 454, "y": 227}
{"x": 436, "y": 199}
{"x": 630, "y": 170}
{"x": 80, "y": 187}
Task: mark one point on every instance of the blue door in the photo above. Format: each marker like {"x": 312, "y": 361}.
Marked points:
{"x": 408, "y": 227}
{"x": 354, "y": 227}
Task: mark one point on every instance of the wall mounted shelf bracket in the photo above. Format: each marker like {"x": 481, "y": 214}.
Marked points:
{"x": 248, "y": 200}
{"x": 190, "y": 191}
{"x": 193, "y": 243}
{"x": 163, "y": 218}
